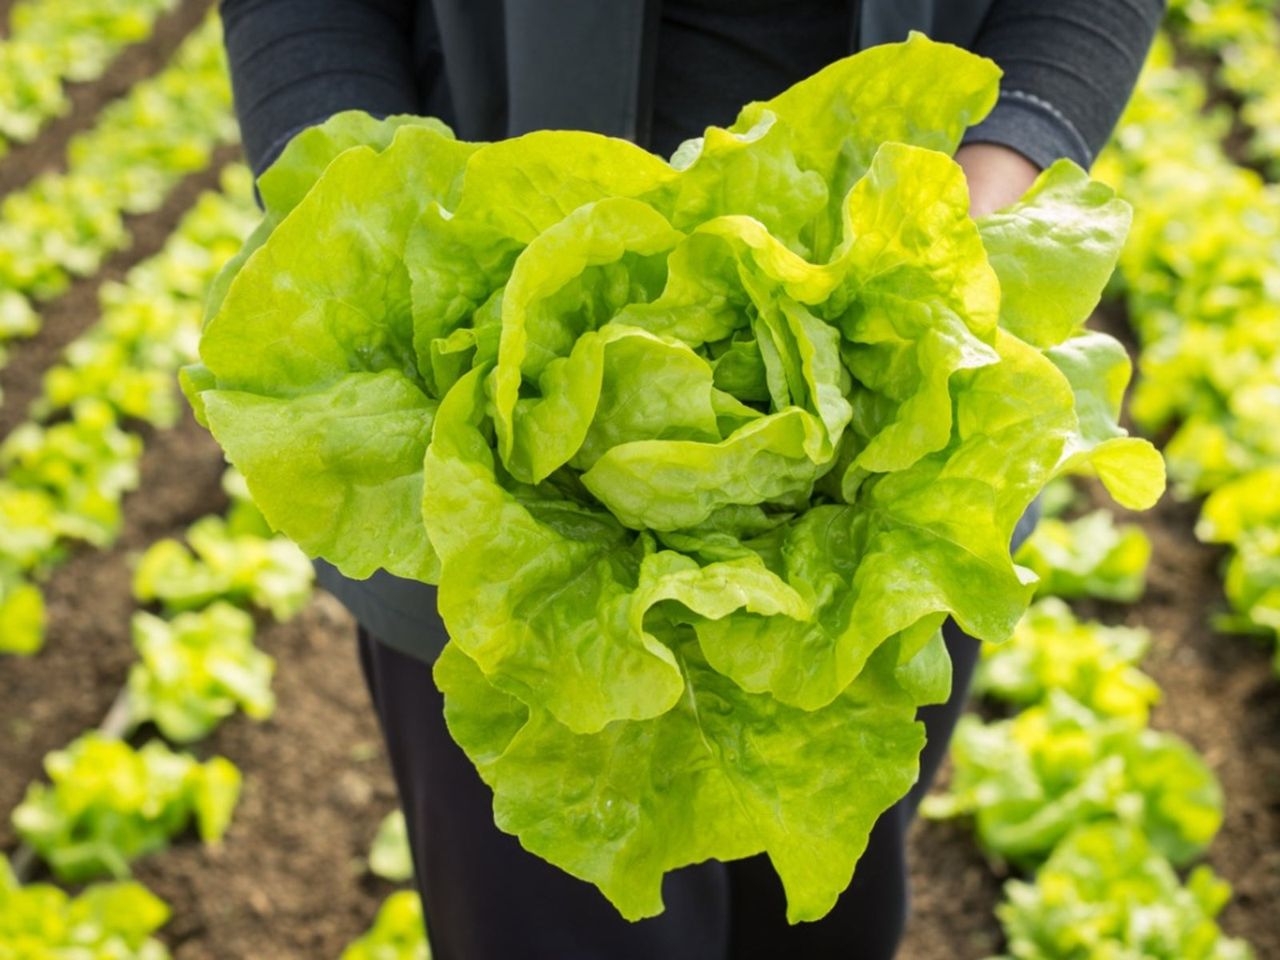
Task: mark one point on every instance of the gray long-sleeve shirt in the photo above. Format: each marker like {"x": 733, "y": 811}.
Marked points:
{"x": 1069, "y": 67}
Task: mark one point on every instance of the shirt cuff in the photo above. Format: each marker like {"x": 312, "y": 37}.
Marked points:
{"x": 1034, "y": 128}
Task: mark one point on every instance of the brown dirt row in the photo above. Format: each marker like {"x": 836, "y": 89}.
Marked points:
{"x": 954, "y": 894}
{"x": 48, "y": 151}
{"x": 65, "y": 318}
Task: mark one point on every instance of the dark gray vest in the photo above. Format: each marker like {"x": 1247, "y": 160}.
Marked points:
{"x": 498, "y": 68}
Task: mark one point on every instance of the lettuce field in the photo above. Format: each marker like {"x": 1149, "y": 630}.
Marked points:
{"x": 189, "y": 764}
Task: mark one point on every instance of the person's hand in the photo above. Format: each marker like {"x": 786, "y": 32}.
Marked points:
{"x": 997, "y": 175}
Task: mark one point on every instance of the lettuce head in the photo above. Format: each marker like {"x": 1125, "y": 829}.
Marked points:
{"x": 701, "y": 452}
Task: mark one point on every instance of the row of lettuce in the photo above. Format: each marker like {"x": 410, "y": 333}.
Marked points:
{"x": 65, "y": 471}
{"x": 62, "y": 485}
{"x": 1240, "y": 39}
{"x": 1200, "y": 277}
{"x": 1076, "y": 789}
{"x": 63, "y": 224}
{"x": 64, "y": 474}
{"x": 108, "y": 803}
{"x": 50, "y": 44}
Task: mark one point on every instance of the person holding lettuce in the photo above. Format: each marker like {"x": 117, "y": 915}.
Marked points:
{"x": 656, "y": 73}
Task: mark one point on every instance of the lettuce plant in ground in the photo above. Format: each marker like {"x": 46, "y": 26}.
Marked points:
{"x": 1090, "y": 556}
{"x": 1052, "y": 650}
{"x": 701, "y": 453}
{"x": 29, "y": 528}
{"x": 84, "y": 465}
{"x": 1029, "y": 781}
{"x": 21, "y": 614}
{"x": 397, "y": 932}
{"x": 216, "y": 562}
{"x": 390, "y": 857}
{"x": 196, "y": 670}
{"x": 108, "y": 804}
{"x": 107, "y": 921}
{"x": 1106, "y": 892}
{"x": 1245, "y": 513}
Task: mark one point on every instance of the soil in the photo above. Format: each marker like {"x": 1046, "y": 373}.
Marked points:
{"x": 953, "y": 897}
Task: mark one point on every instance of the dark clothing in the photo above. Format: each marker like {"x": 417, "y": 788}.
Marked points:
{"x": 494, "y": 68}
{"x": 656, "y": 72}
{"x": 713, "y": 56}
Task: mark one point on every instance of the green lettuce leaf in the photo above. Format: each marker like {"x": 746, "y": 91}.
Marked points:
{"x": 390, "y": 856}
{"x": 398, "y": 932}
{"x": 269, "y": 573}
{"x": 1054, "y": 251}
{"x": 22, "y": 616}
{"x": 109, "y": 803}
{"x": 841, "y": 115}
{"x": 1131, "y": 468}
{"x": 196, "y": 670}
{"x": 304, "y": 158}
{"x": 541, "y": 593}
{"x": 338, "y": 341}
{"x": 106, "y": 920}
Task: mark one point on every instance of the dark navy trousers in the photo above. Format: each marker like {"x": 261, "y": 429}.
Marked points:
{"x": 486, "y": 898}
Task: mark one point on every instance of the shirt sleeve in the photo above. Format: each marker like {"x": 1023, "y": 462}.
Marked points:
{"x": 295, "y": 63}
{"x": 1069, "y": 69}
